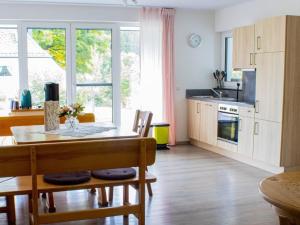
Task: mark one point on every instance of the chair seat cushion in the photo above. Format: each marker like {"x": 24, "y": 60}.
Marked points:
{"x": 114, "y": 174}
{"x": 68, "y": 178}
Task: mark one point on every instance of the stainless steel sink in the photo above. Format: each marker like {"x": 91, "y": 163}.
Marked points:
{"x": 225, "y": 99}
{"x": 217, "y": 98}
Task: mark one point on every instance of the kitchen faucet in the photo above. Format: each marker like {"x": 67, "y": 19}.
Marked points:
{"x": 219, "y": 94}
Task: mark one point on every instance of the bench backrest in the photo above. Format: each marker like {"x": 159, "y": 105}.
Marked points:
{"x": 6, "y": 122}
{"x": 75, "y": 156}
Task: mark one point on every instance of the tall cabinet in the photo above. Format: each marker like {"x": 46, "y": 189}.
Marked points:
{"x": 277, "y": 116}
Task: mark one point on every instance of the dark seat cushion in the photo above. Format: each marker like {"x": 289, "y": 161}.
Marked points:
{"x": 68, "y": 178}
{"x": 115, "y": 174}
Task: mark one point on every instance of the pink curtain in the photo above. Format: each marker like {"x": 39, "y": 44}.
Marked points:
{"x": 168, "y": 71}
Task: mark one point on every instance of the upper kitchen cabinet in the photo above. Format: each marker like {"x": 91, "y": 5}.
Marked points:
{"x": 243, "y": 47}
{"x": 270, "y": 35}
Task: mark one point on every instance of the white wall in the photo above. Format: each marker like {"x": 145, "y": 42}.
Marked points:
{"x": 249, "y": 12}
{"x": 52, "y": 12}
{"x": 193, "y": 67}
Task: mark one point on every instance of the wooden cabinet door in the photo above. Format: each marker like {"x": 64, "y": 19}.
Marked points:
{"x": 270, "y": 35}
{"x": 209, "y": 123}
{"x": 245, "y": 136}
{"x": 269, "y": 86}
{"x": 194, "y": 119}
{"x": 267, "y": 142}
{"x": 243, "y": 47}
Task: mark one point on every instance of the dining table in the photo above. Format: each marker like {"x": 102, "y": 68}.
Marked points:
{"x": 282, "y": 191}
{"x": 86, "y": 131}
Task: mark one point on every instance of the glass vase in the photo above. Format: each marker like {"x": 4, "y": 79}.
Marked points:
{"x": 71, "y": 123}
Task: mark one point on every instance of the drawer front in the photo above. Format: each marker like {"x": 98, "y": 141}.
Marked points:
{"x": 246, "y": 111}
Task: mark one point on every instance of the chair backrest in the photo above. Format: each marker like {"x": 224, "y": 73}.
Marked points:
{"x": 75, "y": 156}
{"x": 142, "y": 122}
{"x": 6, "y": 122}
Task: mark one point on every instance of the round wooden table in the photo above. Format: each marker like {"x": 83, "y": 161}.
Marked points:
{"x": 283, "y": 192}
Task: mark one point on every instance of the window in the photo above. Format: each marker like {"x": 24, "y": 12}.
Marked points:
{"x": 95, "y": 64}
{"x": 94, "y": 71}
{"x": 130, "y": 73}
{"x": 232, "y": 76}
{"x": 46, "y": 57}
{"x": 9, "y": 65}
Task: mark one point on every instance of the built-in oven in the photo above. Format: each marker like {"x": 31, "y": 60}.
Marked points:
{"x": 228, "y": 123}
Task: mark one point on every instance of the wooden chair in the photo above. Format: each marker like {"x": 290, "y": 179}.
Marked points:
{"x": 34, "y": 160}
{"x": 142, "y": 123}
{"x": 9, "y": 209}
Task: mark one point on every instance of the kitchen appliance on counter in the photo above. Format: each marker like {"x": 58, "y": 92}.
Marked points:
{"x": 228, "y": 123}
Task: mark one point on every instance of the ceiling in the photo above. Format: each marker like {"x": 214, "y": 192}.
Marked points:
{"x": 192, "y": 4}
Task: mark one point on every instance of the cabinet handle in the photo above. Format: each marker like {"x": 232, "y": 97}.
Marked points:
{"x": 198, "y": 107}
{"x": 251, "y": 59}
{"x": 258, "y": 42}
{"x": 240, "y": 124}
{"x": 256, "y": 128}
{"x": 257, "y": 106}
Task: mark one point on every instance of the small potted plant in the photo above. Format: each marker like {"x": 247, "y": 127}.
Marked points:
{"x": 70, "y": 113}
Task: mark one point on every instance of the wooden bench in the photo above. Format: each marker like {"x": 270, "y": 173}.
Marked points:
{"x": 28, "y": 163}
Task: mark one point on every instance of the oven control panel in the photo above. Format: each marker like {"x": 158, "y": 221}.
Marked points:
{"x": 228, "y": 108}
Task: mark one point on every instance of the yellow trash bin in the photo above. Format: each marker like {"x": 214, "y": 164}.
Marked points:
{"x": 160, "y": 131}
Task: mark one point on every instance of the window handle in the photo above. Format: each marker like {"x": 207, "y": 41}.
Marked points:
{"x": 256, "y": 106}
{"x": 198, "y": 108}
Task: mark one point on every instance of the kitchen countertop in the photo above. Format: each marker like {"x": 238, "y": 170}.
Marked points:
{"x": 209, "y": 99}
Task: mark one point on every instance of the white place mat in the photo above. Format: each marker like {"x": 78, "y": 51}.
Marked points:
{"x": 82, "y": 131}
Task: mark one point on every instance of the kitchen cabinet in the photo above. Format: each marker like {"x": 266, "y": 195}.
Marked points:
{"x": 270, "y": 35}
{"x": 245, "y": 135}
{"x": 194, "y": 119}
{"x": 209, "y": 123}
{"x": 267, "y": 142}
{"x": 269, "y": 86}
{"x": 243, "y": 47}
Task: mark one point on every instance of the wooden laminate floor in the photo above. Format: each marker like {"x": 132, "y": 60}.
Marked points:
{"x": 195, "y": 187}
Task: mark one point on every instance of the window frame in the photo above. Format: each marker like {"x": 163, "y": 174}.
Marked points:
{"x": 70, "y": 27}
{"x": 224, "y": 36}
{"x": 116, "y": 64}
{"x": 24, "y": 62}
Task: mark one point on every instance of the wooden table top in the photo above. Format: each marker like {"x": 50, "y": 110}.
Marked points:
{"x": 283, "y": 191}
{"x": 34, "y": 134}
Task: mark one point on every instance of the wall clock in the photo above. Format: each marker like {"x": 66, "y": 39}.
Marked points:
{"x": 194, "y": 40}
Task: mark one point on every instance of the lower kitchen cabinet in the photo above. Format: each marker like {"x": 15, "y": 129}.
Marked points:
{"x": 267, "y": 142}
{"x": 245, "y": 136}
{"x": 202, "y": 121}
{"x": 209, "y": 123}
{"x": 194, "y": 119}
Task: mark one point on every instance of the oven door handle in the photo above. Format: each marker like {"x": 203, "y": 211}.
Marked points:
{"x": 229, "y": 114}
